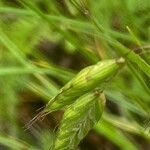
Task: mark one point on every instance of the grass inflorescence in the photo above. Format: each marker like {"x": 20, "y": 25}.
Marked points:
{"x": 65, "y": 56}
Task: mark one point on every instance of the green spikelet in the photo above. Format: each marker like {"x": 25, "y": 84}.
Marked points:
{"x": 91, "y": 77}
{"x": 78, "y": 119}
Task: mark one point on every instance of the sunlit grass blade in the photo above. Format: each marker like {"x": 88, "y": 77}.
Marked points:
{"x": 19, "y": 70}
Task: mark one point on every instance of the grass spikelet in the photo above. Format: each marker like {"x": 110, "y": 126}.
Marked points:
{"x": 97, "y": 75}
{"x": 78, "y": 119}
{"x": 89, "y": 78}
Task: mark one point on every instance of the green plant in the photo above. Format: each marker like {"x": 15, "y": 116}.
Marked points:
{"x": 94, "y": 31}
{"x": 97, "y": 75}
{"x": 79, "y": 118}
{"x": 81, "y": 108}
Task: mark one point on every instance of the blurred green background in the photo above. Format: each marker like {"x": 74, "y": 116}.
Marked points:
{"x": 43, "y": 44}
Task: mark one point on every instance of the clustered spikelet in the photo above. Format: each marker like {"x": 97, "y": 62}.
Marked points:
{"x": 86, "y": 80}
{"x": 84, "y": 102}
{"x": 78, "y": 119}
{"x": 89, "y": 78}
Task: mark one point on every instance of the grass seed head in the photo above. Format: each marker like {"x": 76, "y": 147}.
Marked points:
{"x": 97, "y": 75}
{"x": 78, "y": 119}
{"x": 91, "y": 77}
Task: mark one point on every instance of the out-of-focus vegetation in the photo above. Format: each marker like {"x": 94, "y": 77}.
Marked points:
{"x": 43, "y": 44}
